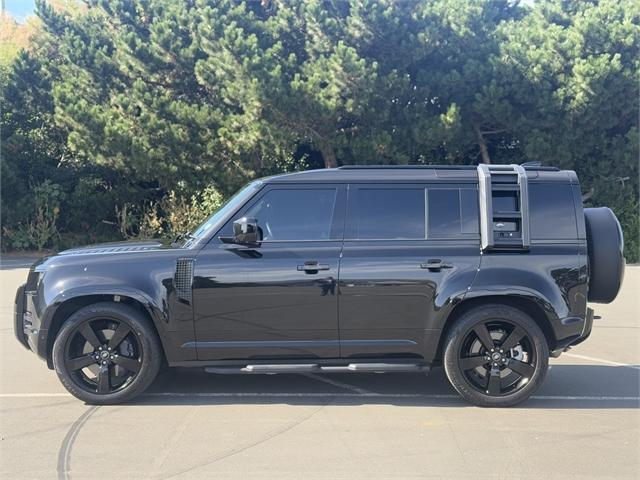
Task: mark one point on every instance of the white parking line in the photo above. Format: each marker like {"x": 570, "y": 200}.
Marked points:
{"x": 602, "y": 360}
{"x": 33, "y": 395}
{"x": 325, "y": 395}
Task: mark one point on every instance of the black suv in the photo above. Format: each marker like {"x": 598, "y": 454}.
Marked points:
{"x": 484, "y": 270}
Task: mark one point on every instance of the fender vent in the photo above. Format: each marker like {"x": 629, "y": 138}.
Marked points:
{"x": 183, "y": 279}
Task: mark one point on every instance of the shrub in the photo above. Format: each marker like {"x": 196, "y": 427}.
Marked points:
{"x": 168, "y": 217}
{"x": 16, "y": 237}
{"x": 41, "y": 229}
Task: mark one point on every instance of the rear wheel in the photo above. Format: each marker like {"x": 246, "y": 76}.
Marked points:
{"x": 107, "y": 353}
{"x": 496, "y": 356}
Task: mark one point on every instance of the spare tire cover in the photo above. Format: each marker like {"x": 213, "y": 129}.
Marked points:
{"x": 605, "y": 246}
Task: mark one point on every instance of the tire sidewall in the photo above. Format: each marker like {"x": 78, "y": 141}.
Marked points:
{"x": 146, "y": 335}
{"x": 462, "y": 328}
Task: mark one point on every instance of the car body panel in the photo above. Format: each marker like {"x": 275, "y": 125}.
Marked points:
{"x": 255, "y": 303}
{"x": 551, "y": 276}
{"x": 140, "y": 272}
{"x": 392, "y": 307}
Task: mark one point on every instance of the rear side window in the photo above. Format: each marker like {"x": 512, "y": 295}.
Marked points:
{"x": 453, "y": 213}
{"x": 295, "y": 214}
{"x": 552, "y": 213}
{"x": 387, "y": 213}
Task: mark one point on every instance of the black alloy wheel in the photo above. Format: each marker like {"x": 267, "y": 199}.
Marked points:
{"x": 107, "y": 353}
{"x": 103, "y": 355}
{"x": 497, "y": 358}
{"x": 496, "y": 355}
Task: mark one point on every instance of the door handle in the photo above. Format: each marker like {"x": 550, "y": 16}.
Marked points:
{"x": 435, "y": 264}
{"x": 312, "y": 267}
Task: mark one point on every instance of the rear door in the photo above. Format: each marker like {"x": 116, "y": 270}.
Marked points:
{"x": 406, "y": 246}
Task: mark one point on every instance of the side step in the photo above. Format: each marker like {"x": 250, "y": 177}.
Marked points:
{"x": 317, "y": 368}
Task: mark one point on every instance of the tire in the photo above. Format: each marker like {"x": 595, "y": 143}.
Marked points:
{"x": 465, "y": 356}
{"x": 129, "y": 367}
{"x": 605, "y": 245}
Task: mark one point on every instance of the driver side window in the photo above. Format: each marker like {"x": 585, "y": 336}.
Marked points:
{"x": 295, "y": 214}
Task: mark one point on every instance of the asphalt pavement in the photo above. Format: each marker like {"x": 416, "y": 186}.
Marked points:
{"x": 583, "y": 423}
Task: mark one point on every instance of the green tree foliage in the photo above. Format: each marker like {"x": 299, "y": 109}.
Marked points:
{"x": 572, "y": 69}
{"x": 145, "y": 104}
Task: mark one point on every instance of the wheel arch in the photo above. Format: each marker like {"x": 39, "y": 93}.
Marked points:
{"x": 68, "y": 307}
{"x": 522, "y": 303}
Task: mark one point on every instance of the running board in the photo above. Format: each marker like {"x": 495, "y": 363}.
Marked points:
{"x": 316, "y": 368}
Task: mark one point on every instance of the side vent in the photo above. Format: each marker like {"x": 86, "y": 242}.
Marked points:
{"x": 183, "y": 279}
{"x": 504, "y": 207}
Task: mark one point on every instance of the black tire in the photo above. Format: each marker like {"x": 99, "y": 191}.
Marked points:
{"x": 130, "y": 366}
{"x": 464, "y": 348}
{"x": 606, "y": 261}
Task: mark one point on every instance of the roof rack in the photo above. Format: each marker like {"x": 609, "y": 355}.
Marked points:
{"x": 506, "y": 225}
{"x": 531, "y": 167}
{"x": 407, "y": 167}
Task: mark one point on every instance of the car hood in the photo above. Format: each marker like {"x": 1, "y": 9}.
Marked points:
{"x": 116, "y": 247}
{"x": 105, "y": 262}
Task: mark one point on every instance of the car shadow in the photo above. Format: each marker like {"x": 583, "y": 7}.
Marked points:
{"x": 566, "y": 387}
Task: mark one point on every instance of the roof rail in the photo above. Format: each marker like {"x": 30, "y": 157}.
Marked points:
{"x": 531, "y": 167}
{"x": 407, "y": 167}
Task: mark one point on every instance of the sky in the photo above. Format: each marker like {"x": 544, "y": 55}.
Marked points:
{"x": 19, "y": 9}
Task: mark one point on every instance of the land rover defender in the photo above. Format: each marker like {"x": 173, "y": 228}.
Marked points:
{"x": 484, "y": 270}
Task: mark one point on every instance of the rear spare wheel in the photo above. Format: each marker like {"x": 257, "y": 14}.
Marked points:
{"x": 606, "y": 262}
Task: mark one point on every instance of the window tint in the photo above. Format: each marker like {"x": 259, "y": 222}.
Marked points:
{"x": 378, "y": 213}
{"x": 552, "y": 213}
{"x": 295, "y": 214}
{"x": 453, "y": 213}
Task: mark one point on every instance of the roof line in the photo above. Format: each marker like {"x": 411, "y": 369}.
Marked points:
{"x": 433, "y": 167}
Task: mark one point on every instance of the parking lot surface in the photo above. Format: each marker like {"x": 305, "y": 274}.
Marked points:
{"x": 583, "y": 423}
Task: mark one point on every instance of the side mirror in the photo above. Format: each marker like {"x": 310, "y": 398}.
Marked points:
{"x": 246, "y": 231}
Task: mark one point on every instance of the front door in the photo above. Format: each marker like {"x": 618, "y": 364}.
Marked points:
{"x": 278, "y": 299}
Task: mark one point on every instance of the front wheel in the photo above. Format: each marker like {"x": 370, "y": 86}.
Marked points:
{"x": 107, "y": 353}
{"x": 496, "y": 356}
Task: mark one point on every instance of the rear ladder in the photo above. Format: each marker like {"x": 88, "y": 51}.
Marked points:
{"x": 504, "y": 207}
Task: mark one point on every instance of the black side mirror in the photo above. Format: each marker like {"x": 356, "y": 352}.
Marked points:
{"x": 246, "y": 231}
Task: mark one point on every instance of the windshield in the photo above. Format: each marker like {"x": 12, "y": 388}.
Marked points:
{"x": 213, "y": 222}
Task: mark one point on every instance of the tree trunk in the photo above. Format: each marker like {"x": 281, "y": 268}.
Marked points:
{"x": 482, "y": 144}
{"x": 328, "y": 154}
